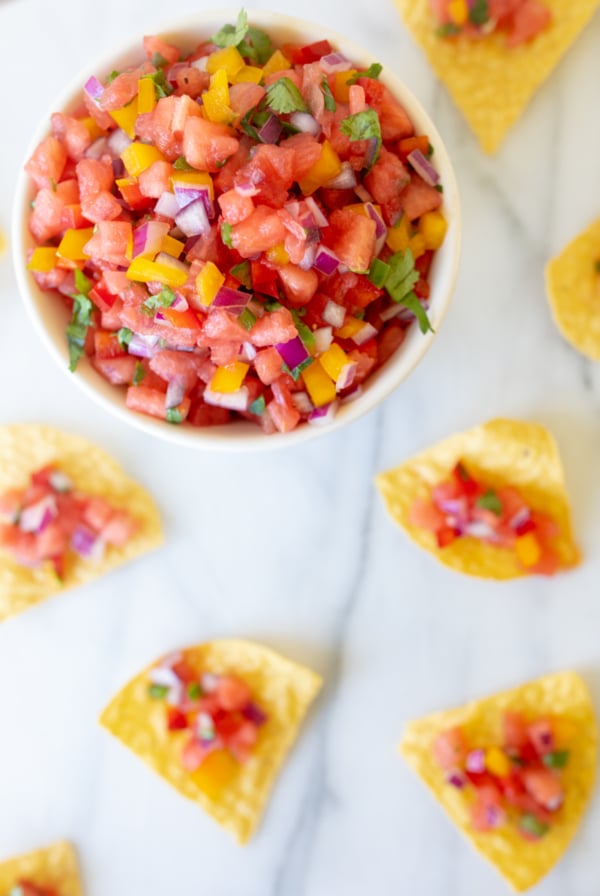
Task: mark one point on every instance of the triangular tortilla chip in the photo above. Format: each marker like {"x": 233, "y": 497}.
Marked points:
{"x": 24, "y": 448}
{"x": 573, "y": 286}
{"x": 501, "y": 452}
{"x": 520, "y": 862}
{"x": 490, "y": 83}
{"x": 283, "y": 689}
{"x": 53, "y": 867}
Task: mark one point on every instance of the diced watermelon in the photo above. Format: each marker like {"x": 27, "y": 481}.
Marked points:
{"x": 46, "y": 165}
{"x": 156, "y": 179}
{"x": 110, "y": 242}
{"x": 46, "y": 218}
{"x": 276, "y": 326}
{"x": 72, "y": 133}
{"x": 170, "y": 365}
{"x": 386, "y": 181}
{"x": 395, "y": 123}
{"x": 262, "y": 230}
{"x": 284, "y": 417}
{"x": 299, "y": 285}
{"x": 123, "y": 88}
{"x": 245, "y": 96}
{"x": 271, "y": 170}
{"x": 95, "y": 181}
{"x": 151, "y": 402}
{"x": 417, "y": 198}
{"x": 235, "y": 207}
{"x": 268, "y": 365}
{"x": 450, "y": 748}
{"x": 352, "y": 238}
{"x": 207, "y": 144}
{"x": 156, "y": 47}
{"x": 191, "y": 82}
{"x": 529, "y": 19}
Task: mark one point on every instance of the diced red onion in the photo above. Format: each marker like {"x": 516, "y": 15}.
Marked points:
{"x": 93, "y": 88}
{"x": 118, "y": 170}
{"x": 319, "y": 218}
{"x": 233, "y": 300}
{"x": 345, "y": 180}
{"x": 254, "y": 714}
{"x": 175, "y": 392}
{"x": 475, "y": 762}
{"x": 306, "y": 123}
{"x": 371, "y": 151}
{"x": 495, "y": 816}
{"x": 87, "y": 544}
{"x": 423, "y": 166}
{"x": 233, "y": 401}
{"x": 346, "y": 377}
{"x": 188, "y": 194}
{"x": 364, "y": 334}
{"x": 247, "y": 189}
{"x": 143, "y": 346}
{"x": 555, "y": 802}
{"x": 271, "y": 130}
{"x": 334, "y": 314}
{"x": 193, "y": 219}
{"x": 323, "y": 415}
{"x": 179, "y": 303}
{"x": 293, "y": 208}
{"x": 248, "y": 353}
{"x": 456, "y": 779}
{"x": 167, "y": 205}
{"x": 362, "y": 193}
{"x": 209, "y": 682}
{"x": 302, "y": 402}
{"x": 165, "y": 258}
{"x": 292, "y": 352}
{"x": 97, "y": 149}
{"x": 60, "y": 482}
{"x": 148, "y": 238}
{"x": 171, "y": 659}
{"x": 323, "y": 339}
{"x": 175, "y": 694}
{"x": 380, "y": 228}
{"x": 479, "y": 529}
{"x": 118, "y": 142}
{"x": 326, "y": 261}
{"x": 36, "y": 517}
{"x": 335, "y": 62}
{"x": 522, "y": 516}
{"x": 308, "y": 259}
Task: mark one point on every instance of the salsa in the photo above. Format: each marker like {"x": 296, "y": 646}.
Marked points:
{"x": 244, "y": 231}
{"x": 26, "y": 888}
{"x": 461, "y": 507}
{"x": 519, "y": 20}
{"x": 49, "y": 519}
{"x": 517, "y": 782}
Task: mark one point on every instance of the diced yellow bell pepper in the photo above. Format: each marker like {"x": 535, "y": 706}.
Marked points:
{"x": 417, "y": 245}
{"x": 327, "y": 167}
{"x": 208, "y": 282}
{"x": 72, "y": 243}
{"x": 229, "y": 59}
{"x": 94, "y": 129}
{"x": 42, "y": 260}
{"x": 249, "y": 74}
{"x": 129, "y": 249}
{"x": 216, "y": 99}
{"x": 229, "y": 378}
{"x": 334, "y": 360}
{"x": 399, "y": 236}
{"x": 278, "y": 255}
{"x": 528, "y": 549}
{"x": 458, "y": 11}
{"x": 277, "y": 63}
{"x": 202, "y": 178}
{"x": 146, "y": 95}
{"x": 341, "y": 88}
{"x": 143, "y": 270}
{"x": 352, "y": 326}
{"x": 215, "y": 773}
{"x": 433, "y": 227}
{"x": 319, "y": 384}
{"x": 137, "y": 157}
{"x": 497, "y": 762}
{"x": 172, "y": 246}
{"x": 126, "y": 117}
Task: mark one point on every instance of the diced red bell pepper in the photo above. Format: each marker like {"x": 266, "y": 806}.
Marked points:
{"x": 176, "y": 720}
{"x": 307, "y": 53}
{"x": 264, "y": 279}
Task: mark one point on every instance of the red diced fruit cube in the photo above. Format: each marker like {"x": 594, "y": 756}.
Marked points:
{"x": 233, "y": 694}
{"x": 450, "y": 748}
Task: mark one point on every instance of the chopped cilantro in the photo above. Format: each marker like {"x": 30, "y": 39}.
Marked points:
{"x": 439, "y": 188}
{"x": 194, "y": 690}
{"x": 399, "y": 283}
{"x": 253, "y": 121}
{"x": 247, "y": 319}
{"x": 305, "y": 333}
{"x": 174, "y": 415}
{"x": 479, "y": 13}
{"x": 557, "y": 759}
{"x": 360, "y": 314}
{"x": 161, "y": 85}
{"x": 448, "y": 29}
{"x": 232, "y": 35}
{"x": 283, "y": 96}
{"x": 163, "y": 299}
{"x": 296, "y": 371}
{"x": 430, "y": 150}
{"x": 242, "y": 273}
{"x": 258, "y": 406}
{"x": 114, "y": 74}
{"x": 77, "y": 328}
{"x": 158, "y": 60}
{"x": 158, "y": 691}
{"x": 226, "y": 234}
{"x": 256, "y": 46}
{"x": 597, "y": 265}
{"x": 81, "y": 282}
{"x": 180, "y": 164}
{"x": 273, "y": 305}
{"x": 373, "y": 71}
{"x": 330, "y": 104}
{"x": 124, "y": 335}
{"x": 413, "y": 304}
{"x": 139, "y": 373}
{"x": 490, "y": 501}
{"x": 363, "y": 126}
{"x": 378, "y": 272}
{"x": 532, "y": 825}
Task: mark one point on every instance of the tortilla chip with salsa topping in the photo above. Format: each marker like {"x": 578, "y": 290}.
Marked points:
{"x": 514, "y": 771}
{"x": 68, "y": 514}
{"x": 52, "y": 870}
{"x": 490, "y": 502}
{"x": 493, "y": 76}
{"x": 216, "y": 721}
{"x": 573, "y": 286}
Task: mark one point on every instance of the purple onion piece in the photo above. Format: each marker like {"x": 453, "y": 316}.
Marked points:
{"x": 118, "y": 168}
{"x": 271, "y": 130}
{"x": 325, "y": 260}
{"x": 60, "y": 482}
{"x": 233, "y": 401}
{"x": 456, "y": 779}
{"x": 293, "y": 353}
{"x": 302, "y": 402}
{"x": 193, "y": 219}
{"x": 118, "y": 142}
{"x": 475, "y": 762}
{"x": 346, "y": 377}
{"x": 87, "y": 544}
{"x": 371, "y": 152}
{"x": 364, "y": 334}
{"x": 175, "y": 392}
{"x": 255, "y": 714}
{"x": 380, "y": 228}
{"x": 335, "y": 62}
{"x": 423, "y": 167}
{"x": 167, "y": 205}
{"x": 324, "y": 414}
{"x": 319, "y": 218}
{"x": 231, "y": 299}
{"x": 143, "y": 346}
{"x": 36, "y": 517}
{"x": 345, "y": 180}
{"x": 93, "y": 88}
{"x": 97, "y": 149}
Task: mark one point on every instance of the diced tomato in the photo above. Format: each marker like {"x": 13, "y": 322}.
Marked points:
{"x": 514, "y": 729}
{"x": 410, "y": 144}
{"x": 541, "y": 735}
{"x": 107, "y": 345}
{"x": 307, "y": 53}
{"x": 426, "y": 515}
{"x": 299, "y": 286}
{"x": 119, "y": 529}
{"x": 487, "y": 812}
{"x": 176, "y": 720}
{"x": 543, "y": 784}
{"x": 264, "y": 279}
{"x": 529, "y": 19}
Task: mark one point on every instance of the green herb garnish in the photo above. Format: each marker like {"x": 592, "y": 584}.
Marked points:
{"x": 242, "y": 273}
{"x": 305, "y": 333}
{"x": 162, "y": 299}
{"x": 194, "y": 690}
{"x": 80, "y": 320}
{"x": 256, "y": 46}
{"x": 158, "y": 60}
{"x": 448, "y": 29}
{"x": 373, "y": 71}
{"x": 556, "y": 759}
{"x": 139, "y": 373}
{"x": 490, "y": 501}
{"x": 258, "y": 406}
{"x": 296, "y": 371}
{"x": 330, "y": 104}
{"x": 378, "y": 272}
{"x": 174, "y": 415}
{"x": 532, "y": 825}
{"x": 114, "y": 74}
{"x": 161, "y": 85}
{"x": 232, "y": 35}
{"x": 247, "y": 319}
{"x": 479, "y": 13}
{"x": 158, "y": 691}
{"x": 226, "y": 234}
{"x": 597, "y": 265}
{"x": 124, "y": 335}
{"x": 363, "y": 126}
{"x": 402, "y": 275}
{"x": 283, "y": 96}
{"x": 180, "y": 164}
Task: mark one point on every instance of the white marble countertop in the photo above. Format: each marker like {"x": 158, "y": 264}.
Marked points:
{"x": 332, "y": 582}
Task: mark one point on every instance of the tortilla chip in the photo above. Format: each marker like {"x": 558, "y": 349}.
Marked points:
{"x": 501, "y": 452}
{"x": 490, "y": 83}
{"x": 53, "y": 867}
{"x": 520, "y": 862}
{"x": 24, "y": 448}
{"x": 283, "y": 689}
{"x": 573, "y": 287}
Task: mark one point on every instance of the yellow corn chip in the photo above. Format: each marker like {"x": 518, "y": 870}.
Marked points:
{"x": 24, "y": 448}
{"x": 564, "y": 696}
{"x": 490, "y": 83}
{"x": 573, "y": 286}
{"x": 284, "y": 690}
{"x": 54, "y": 867}
{"x": 498, "y": 453}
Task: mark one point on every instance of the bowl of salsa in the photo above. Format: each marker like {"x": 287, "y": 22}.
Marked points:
{"x": 241, "y": 233}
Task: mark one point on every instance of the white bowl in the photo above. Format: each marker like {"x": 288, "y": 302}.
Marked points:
{"x": 241, "y": 435}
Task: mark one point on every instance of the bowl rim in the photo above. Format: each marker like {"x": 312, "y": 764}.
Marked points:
{"x": 243, "y": 435}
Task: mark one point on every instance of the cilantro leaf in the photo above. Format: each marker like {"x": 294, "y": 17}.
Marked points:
{"x": 110, "y": 78}
{"x": 232, "y": 35}
{"x": 226, "y": 234}
{"x": 256, "y": 46}
{"x": 557, "y": 759}
{"x": 304, "y": 332}
{"x": 283, "y": 96}
{"x": 373, "y": 71}
{"x": 490, "y": 501}
{"x": 124, "y": 335}
{"x": 163, "y": 299}
{"x": 139, "y": 373}
{"x": 158, "y": 60}
{"x": 247, "y": 319}
{"x": 180, "y": 164}
{"x": 413, "y": 304}
{"x": 399, "y": 283}
{"x": 174, "y": 415}
{"x": 82, "y": 283}
{"x": 364, "y": 126}
{"x": 257, "y": 407}
{"x": 530, "y": 824}
{"x": 158, "y": 691}
{"x": 242, "y": 273}
{"x": 77, "y": 328}
{"x": 162, "y": 87}
{"x": 479, "y": 13}
{"x": 330, "y": 103}
{"x": 448, "y": 29}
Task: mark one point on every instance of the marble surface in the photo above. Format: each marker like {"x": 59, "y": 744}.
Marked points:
{"x": 329, "y": 580}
